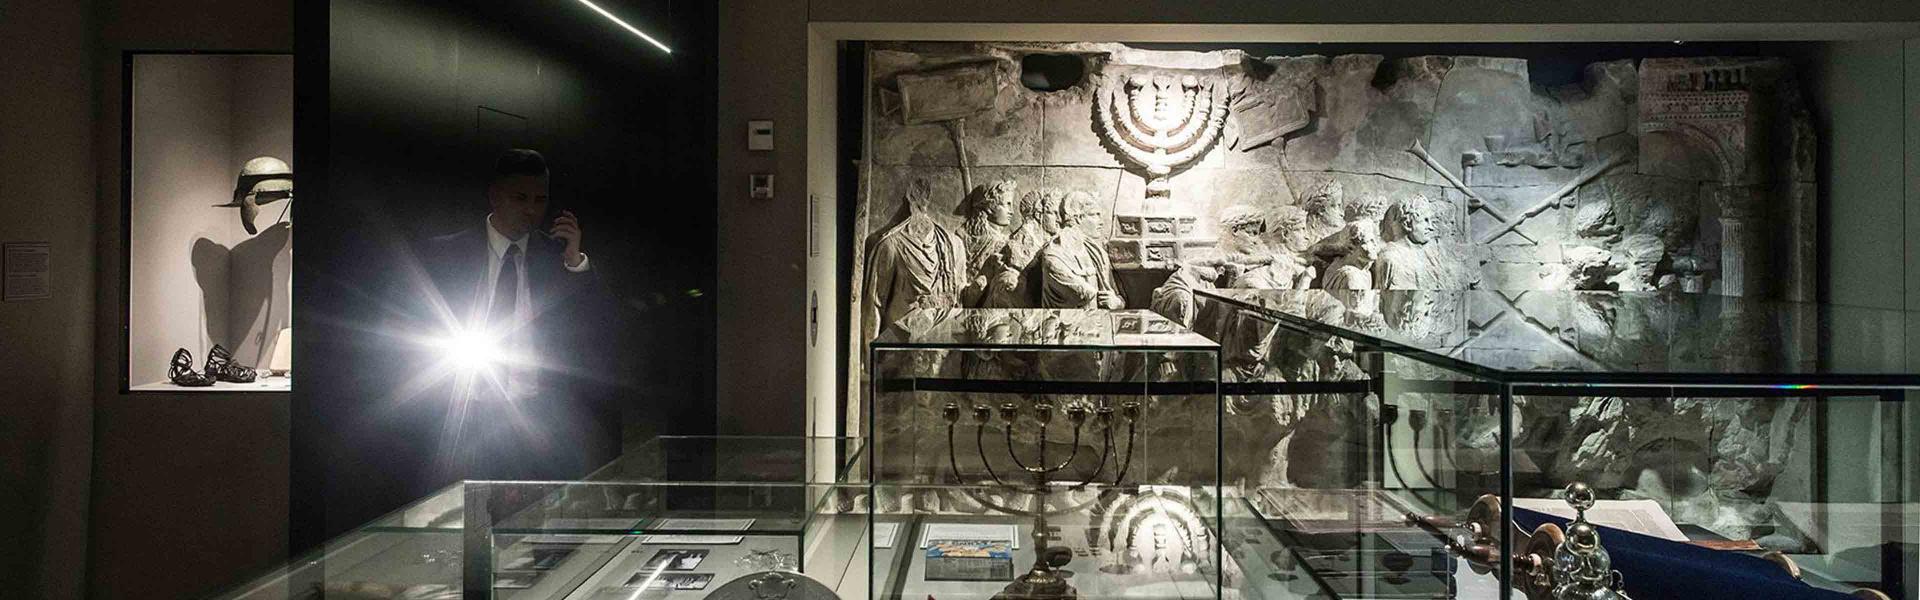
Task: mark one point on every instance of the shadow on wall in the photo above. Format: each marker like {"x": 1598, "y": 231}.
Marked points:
{"x": 240, "y": 282}
{"x": 259, "y": 274}
{"x": 210, "y": 271}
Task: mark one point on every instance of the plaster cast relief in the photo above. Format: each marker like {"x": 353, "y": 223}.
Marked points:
{"x": 993, "y": 275}
{"x": 1074, "y": 269}
{"x": 918, "y": 263}
{"x": 1712, "y": 462}
{"x": 1160, "y": 173}
{"x": 1160, "y": 121}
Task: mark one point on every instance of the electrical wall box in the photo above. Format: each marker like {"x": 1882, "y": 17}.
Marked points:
{"x": 760, "y": 135}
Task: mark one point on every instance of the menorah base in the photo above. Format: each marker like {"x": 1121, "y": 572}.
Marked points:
{"x": 1038, "y": 585}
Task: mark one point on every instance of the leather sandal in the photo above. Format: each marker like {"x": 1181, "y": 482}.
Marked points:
{"x": 180, "y": 371}
{"x": 220, "y": 366}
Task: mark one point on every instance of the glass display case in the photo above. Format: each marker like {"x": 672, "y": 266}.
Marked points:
{"x": 207, "y": 228}
{"x": 1724, "y": 447}
{"x": 1288, "y": 445}
{"x": 551, "y": 539}
{"x": 414, "y": 552}
{"x": 1044, "y": 453}
{"x": 581, "y": 540}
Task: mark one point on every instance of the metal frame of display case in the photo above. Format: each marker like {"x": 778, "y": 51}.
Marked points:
{"x": 1506, "y": 384}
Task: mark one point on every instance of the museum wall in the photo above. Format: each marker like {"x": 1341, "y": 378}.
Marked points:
{"x": 762, "y": 247}
{"x": 47, "y": 191}
{"x": 190, "y": 491}
{"x": 418, "y": 100}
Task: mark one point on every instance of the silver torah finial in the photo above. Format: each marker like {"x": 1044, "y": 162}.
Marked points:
{"x": 1160, "y": 122}
{"x": 1582, "y": 569}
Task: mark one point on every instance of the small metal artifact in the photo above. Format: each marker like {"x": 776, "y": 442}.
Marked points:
{"x": 263, "y": 180}
{"x": 1582, "y": 569}
{"x": 773, "y": 585}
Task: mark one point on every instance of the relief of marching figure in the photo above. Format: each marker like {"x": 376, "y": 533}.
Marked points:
{"x": 992, "y": 277}
{"x": 1075, "y": 271}
{"x": 918, "y": 263}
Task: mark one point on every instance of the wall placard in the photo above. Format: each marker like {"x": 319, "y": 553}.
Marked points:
{"x": 29, "y": 271}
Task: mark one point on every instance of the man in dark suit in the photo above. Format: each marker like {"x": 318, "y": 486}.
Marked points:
{"x": 526, "y": 305}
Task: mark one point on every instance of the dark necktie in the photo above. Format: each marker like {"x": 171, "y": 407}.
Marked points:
{"x": 506, "y": 289}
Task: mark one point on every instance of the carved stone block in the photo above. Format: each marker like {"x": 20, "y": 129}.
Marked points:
{"x": 1365, "y": 129}
{"x": 1126, "y": 254}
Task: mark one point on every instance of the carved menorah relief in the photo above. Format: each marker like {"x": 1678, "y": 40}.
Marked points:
{"x": 1160, "y": 122}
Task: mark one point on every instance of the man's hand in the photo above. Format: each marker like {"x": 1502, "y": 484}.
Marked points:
{"x": 567, "y": 227}
{"x": 1110, "y": 301}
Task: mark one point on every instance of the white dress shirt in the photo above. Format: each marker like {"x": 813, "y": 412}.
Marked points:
{"x": 521, "y": 375}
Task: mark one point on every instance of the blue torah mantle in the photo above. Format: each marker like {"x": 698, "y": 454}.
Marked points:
{"x": 1658, "y": 569}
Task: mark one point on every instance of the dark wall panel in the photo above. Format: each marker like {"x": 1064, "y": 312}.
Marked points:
{"x": 419, "y": 99}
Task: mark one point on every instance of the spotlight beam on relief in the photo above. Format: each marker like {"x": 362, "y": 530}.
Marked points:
{"x": 603, "y": 12}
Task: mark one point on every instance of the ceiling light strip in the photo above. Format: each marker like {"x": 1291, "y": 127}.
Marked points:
{"x": 603, "y": 12}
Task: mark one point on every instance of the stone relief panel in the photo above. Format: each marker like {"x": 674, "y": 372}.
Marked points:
{"x": 1665, "y": 174}
{"x": 1190, "y": 170}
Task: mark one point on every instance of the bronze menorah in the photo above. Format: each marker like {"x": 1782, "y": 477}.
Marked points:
{"x": 1044, "y": 581}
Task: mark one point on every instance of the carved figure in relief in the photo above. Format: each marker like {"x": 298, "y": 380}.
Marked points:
{"x": 1251, "y": 261}
{"x": 1290, "y": 229}
{"x": 1326, "y": 210}
{"x": 1247, "y": 260}
{"x": 1403, "y": 264}
{"x": 1352, "y": 249}
{"x": 1075, "y": 271}
{"x": 1174, "y": 299}
{"x": 989, "y": 274}
{"x": 1353, "y": 270}
{"x": 918, "y": 263}
{"x": 1040, "y": 211}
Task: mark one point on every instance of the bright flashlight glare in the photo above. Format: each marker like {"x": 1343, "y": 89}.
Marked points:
{"x": 471, "y": 350}
{"x": 603, "y": 12}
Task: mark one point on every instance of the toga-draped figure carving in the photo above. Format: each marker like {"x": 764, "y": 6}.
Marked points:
{"x": 1075, "y": 271}
{"x": 916, "y": 264}
{"x": 992, "y": 276}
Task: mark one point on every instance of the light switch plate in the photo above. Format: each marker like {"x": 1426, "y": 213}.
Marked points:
{"x": 760, "y": 135}
{"x": 760, "y": 186}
